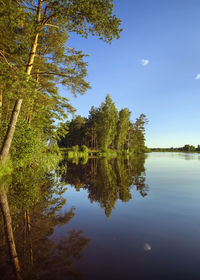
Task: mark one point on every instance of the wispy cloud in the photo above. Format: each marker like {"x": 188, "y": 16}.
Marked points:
{"x": 197, "y": 77}
{"x": 144, "y": 62}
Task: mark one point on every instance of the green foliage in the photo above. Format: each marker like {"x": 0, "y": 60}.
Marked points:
{"x": 106, "y": 129}
{"x": 49, "y": 159}
{"x": 5, "y": 169}
{"x": 108, "y": 181}
{"x": 198, "y": 148}
{"x": 53, "y": 63}
{"x": 189, "y": 148}
{"x": 35, "y": 199}
{"x": 31, "y": 189}
{"x": 75, "y": 133}
{"x": 84, "y": 149}
{"x": 137, "y": 135}
{"x": 27, "y": 142}
{"x": 107, "y": 153}
{"x": 106, "y": 123}
{"x": 123, "y": 127}
{"x": 61, "y": 131}
{"x": 84, "y": 159}
{"x": 75, "y": 149}
{"x": 76, "y": 155}
{"x": 186, "y": 148}
{"x": 70, "y": 154}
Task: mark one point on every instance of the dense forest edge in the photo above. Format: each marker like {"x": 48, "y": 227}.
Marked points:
{"x": 106, "y": 132}
{"x": 36, "y": 60}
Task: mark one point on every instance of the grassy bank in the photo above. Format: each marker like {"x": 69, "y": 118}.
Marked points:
{"x": 75, "y": 153}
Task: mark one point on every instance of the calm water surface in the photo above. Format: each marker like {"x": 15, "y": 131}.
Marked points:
{"x": 148, "y": 230}
{"x": 120, "y": 219}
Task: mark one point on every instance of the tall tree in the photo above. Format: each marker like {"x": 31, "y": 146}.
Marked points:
{"x": 106, "y": 123}
{"x": 75, "y": 135}
{"x": 91, "y": 130}
{"x": 55, "y": 20}
{"x": 137, "y": 134}
{"x": 123, "y": 126}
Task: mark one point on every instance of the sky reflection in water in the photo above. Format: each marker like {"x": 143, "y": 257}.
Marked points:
{"x": 150, "y": 236}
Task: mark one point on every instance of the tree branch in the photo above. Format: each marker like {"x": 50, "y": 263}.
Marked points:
{"x": 2, "y": 54}
{"x": 44, "y": 21}
{"x": 52, "y": 25}
{"x": 51, "y": 73}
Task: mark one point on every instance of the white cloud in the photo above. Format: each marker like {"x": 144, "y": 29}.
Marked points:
{"x": 197, "y": 77}
{"x": 144, "y": 62}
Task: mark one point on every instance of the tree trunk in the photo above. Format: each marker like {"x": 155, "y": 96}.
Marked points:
{"x": 10, "y": 131}
{"x": 8, "y": 231}
{"x": 29, "y": 65}
{"x": 32, "y": 54}
{"x": 27, "y": 231}
{"x": 7, "y": 112}
{"x": 1, "y": 94}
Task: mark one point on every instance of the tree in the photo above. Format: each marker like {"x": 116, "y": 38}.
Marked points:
{"x": 189, "y": 148}
{"x": 123, "y": 126}
{"x": 91, "y": 129}
{"x": 47, "y": 58}
{"x": 198, "y": 148}
{"x": 106, "y": 123}
{"x": 75, "y": 135}
{"x": 106, "y": 128}
{"x": 137, "y": 134}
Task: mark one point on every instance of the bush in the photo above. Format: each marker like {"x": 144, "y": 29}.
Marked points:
{"x": 75, "y": 149}
{"x": 6, "y": 169}
{"x": 84, "y": 149}
{"x": 107, "y": 153}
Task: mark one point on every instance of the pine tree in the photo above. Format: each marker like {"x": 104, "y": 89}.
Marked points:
{"x": 46, "y": 59}
{"x": 106, "y": 123}
{"x": 123, "y": 126}
{"x": 137, "y": 134}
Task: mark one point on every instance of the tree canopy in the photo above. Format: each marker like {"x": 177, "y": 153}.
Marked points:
{"x": 106, "y": 128}
{"x": 36, "y": 57}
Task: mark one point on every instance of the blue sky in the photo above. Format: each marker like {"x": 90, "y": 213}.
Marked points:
{"x": 165, "y": 34}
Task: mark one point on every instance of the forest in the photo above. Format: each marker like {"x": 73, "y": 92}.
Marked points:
{"x": 105, "y": 128}
{"x": 40, "y": 71}
{"x": 35, "y": 58}
{"x": 185, "y": 148}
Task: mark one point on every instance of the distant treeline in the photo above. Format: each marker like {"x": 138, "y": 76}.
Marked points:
{"x": 186, "y": 148}
{"x": 105, "y": 128}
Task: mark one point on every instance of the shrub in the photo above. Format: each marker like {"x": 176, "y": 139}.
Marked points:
{"x": 75, "y": 149}
{"x": 84, "y": 149}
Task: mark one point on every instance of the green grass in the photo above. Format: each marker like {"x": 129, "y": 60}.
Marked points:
{"x": 75, "y": 153}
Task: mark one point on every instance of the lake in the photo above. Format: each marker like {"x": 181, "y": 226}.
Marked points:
{"x": 116, "y": 219}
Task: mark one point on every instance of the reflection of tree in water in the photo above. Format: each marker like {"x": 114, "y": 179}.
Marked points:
{"x": 108, "y": 180}
{"x": 35, "y": 200}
